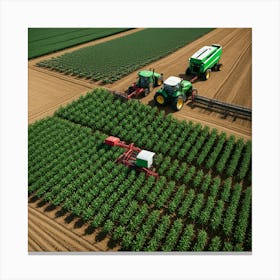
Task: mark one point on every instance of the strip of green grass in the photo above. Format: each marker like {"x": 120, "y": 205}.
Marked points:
{"x": 47, "y": 40}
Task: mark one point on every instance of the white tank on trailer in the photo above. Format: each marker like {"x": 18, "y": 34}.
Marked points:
{"x": 144, "y": 159}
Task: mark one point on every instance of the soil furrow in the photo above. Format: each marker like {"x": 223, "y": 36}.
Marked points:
{"x": 69, "y": 237}
{"x": 34, "y": 245}
{"x": 39, "y": 230}
{"x": 221, "y": 94}
{"x": 37, "y": 236}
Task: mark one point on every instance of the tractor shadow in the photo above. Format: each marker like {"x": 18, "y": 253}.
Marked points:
{"x": 185, "y": 77}
{"x": 166, "y": 109}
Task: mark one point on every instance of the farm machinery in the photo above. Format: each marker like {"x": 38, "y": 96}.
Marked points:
{"x": 134, "y": 157}
{"x": 225, "y": 108}
{"x": 175, "y": 91}
{"x": 204, "y": 61}
{"x": 142, "y": 87}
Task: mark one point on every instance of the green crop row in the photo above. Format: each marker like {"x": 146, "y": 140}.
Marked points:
{"x": 150, "y": 129}
{"x": 187, "y": 208}
{"x": 47, "y": 40}
{"x": 114, "y": 59}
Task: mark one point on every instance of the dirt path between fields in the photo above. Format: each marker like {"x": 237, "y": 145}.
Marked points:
{"x": 48, "y": 90}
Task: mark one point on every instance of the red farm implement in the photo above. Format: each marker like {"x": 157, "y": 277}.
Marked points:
{"x": 133, "y": 92}
{"x": 134, "y": 157}
{"x": 146, "y": 80}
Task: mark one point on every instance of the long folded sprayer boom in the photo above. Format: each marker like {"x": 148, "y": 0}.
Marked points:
{"x": 225, "y": 108}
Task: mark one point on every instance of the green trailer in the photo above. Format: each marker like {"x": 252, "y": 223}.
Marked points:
{"x": 175, "y": 91}
{"x": 204, "y": 61}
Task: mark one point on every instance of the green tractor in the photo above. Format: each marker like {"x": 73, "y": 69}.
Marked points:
{"x": 204, "y": 61}
{"x": 146, "y": 80}
{"x": 175, "y": 91}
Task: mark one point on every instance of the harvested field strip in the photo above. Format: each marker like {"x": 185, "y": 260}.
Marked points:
{"x": 113, "y": 60}
{"x": 126, "y": 205}
{"x": 54, "y": 237}
{"x": 47, "y": 40}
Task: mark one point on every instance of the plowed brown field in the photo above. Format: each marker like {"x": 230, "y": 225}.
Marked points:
{"x": 49, "y": 233}
{"x": 48, "y": 90}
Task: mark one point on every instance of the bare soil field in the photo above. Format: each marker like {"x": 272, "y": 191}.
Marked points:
{"x": 50, "y": 229}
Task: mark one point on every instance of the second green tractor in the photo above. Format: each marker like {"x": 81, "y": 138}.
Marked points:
{"x": 175, "y": 91}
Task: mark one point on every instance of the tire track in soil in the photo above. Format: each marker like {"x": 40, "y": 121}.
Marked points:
{"x": 221, "y": 93}
{"x": 238, "y": 87}
{"x": 58, "y": 232}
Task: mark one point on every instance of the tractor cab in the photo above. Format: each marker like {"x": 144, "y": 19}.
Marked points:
{"x": 148, "y": 78}
{"x": 172, "y": 85}
{"x": 144, "y": 79}
{"x": 175, "y": 90}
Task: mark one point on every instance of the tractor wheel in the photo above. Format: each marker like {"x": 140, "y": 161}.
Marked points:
{"x": 178, "y": 103}
{"x": 159, "y": 99}
{"x": 159, "y": 81}
{"x": 206, "y": 75}
{"x": 146, "y": 91}
{"x": 219, "y": 66}
{"x": 215, "y": 67}
{"x": 188, "y": 71}
{"x": 130, "y": 89}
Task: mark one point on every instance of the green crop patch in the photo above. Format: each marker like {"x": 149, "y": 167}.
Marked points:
{"x": 201, "y": 201}
{"x": 112, "y": 60}
{"x": 47, "y": 40}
